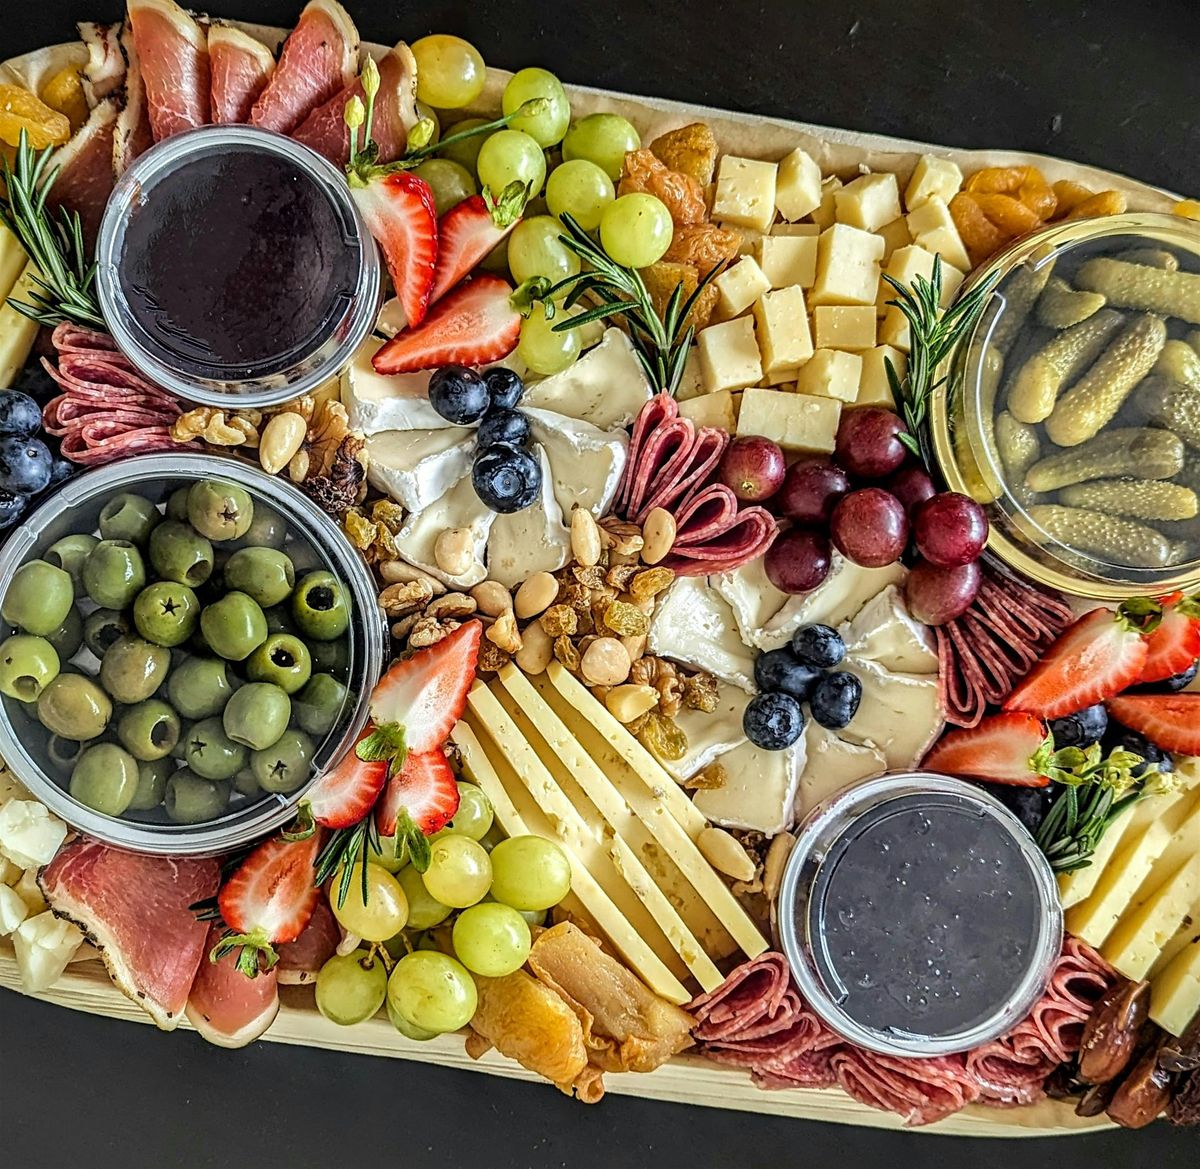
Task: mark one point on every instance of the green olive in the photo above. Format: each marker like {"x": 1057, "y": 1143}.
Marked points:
{"x": 279, "y": 619}
{"x": 257, "y": 715}
{"x": 319, "y": 704}
{"x": 234, "y": 627}
{"x": 177, "y": 504}
{"x": 63, "y": 753}
{"x": 74, "y": 706}
{"x": 199, "y": 687}
{"x": 38, "y": 598}
{"x": 286, "y": 765}
{"x": 128, "y": 517}
{"x": 219, "y": 510}
{"x": 149, "y": 730}
{"x": 320, "y": 607}
{"x": 282, "y": 659}
{"x": 133, "y": 669}
{"x": 68, "y": 637}
{"x": 192, "y": 799}
{"x": 181, "y": 554}
{"x": 114, "y": 574}
{"x": 69, "y": 553}
{"x": 166, "y": 613}
{"x": 211, "y": 753}
{"x": 267, "y": 529}
{"x": 152, "y": 784}
{"x": 102, "y": 628}
{"x": 27, "y": 666}
{"x": 105, "y": 779}
{"x": 245, "y": 784}
{"x": 330, "y": 657}
{"x": 266, "y": 574}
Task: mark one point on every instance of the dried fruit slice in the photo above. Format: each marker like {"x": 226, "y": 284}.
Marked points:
{"x": 22, "y": 110}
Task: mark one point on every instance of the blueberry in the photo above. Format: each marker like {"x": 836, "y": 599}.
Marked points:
{"x": 1173, "y": 684}
{"x": 818, "y": 645}
{"x": 510, "y": 427}
{"x": 835, "y": 698}
{"x": 506, "y": 478}
{"x": 773, "y": 721}
{"x": 12, "y": 507}
{"x": 504, "y": 386}
{"x": 34, "y": 380}
{"x": 458, "y": 394}
{"x": 780, "y": 669}
{"x": 25, "y": 464}
{"x": 1154, "y": 757}
{"x": 20, "y": 415}
{"x": 62, "y": 469}
{"x": 1081, "y": 729}
{"x": 1028, "y": 804}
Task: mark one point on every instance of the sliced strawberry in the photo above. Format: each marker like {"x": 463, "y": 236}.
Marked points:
{"x": 1097, "y": 657}
{"x": 1175, "y": 645}
{"x": 426, "y": 693}
{"x": 1012, "y": 748}
{"x": 269, "y": 899}
{"x": 1171, "y": 721}
{"x": 471, "y": 229}
{"x": 421, "y": 799}
{"x": 473, "y": 325}
{"x": 345, "y": 793}
{"x": 400, "y": 213}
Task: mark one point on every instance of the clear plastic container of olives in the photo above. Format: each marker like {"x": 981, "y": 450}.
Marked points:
{"x": 216, "y": 640}
{"x": 1073, "y": 409}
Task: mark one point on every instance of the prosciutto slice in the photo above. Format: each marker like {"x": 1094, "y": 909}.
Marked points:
{"x": 85, "y": 168}
{"x": 300, "y": 960}
{"x": 225, "y": 1006}
{"x": 135, "y": 910}
{"x": 240, "y": 68}
{"x": 324, "y": 130}
{"x": 104, "y": 72}
{"x": 173, "y": 49}
{"x": 318, "y": 60}
{"x": 133, "y": 135}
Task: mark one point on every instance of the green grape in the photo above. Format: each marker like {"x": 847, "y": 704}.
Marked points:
{"x": 392, "y": 853}
{"x": 530, "y": 872}
{"x": 406, "y": 1028}
{"x": 508, "y": 156}
{"x": 424, "y": 911}
{"x": 543, "y": 350}
{"x": 450, "y": 71}
{"x": 535, "y": 248}
{"x": 432, "y": 991}
{"x": 491, "y": 939}
{"x": 450, "y": 183}
{"x": 549, "y": 126}
{"x": 474, "y": 815}
{"x": 466, "y": 152}
{"x": 384, "y": 912}
{"x": 459, "y": 871}
{"x": 533, "y": 917}
{"x": 636, "y": 230}
{"x": 604, "y": 139}
{"x": 351, "y": 988}
{"x": 425, "y": 111}
{"x": 580, "y": 189}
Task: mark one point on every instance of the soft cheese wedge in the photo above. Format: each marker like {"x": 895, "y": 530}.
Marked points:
{"x": 534, "y": 539}
{"x": 883, "y": 632}
{"x": 417, "y": 467}
{"x": 587, "y": 462}
{"x": 376, "y": 402}
{"x": 1175, "y": 994}
{"x": 695, "y": 625}
{"x": 759, "y": 789}
{"x": 832, "y": 765}
{"x": 900, "y": 715}
{"x": 1136, "y": 942}
{"x": 458, "y": 508}
{"x": 710, "y": 734}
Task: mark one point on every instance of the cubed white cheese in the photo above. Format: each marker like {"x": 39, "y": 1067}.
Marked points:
{"x": 12, "y": 910}
{"x": 796, "y": 229}
{"x": 825, "y": 214}
{"x": 29, "y": 891}
{"x": 932, "y": 176}
{"x": 874, "y": 389}
{"x": 783, "y": 334}
{"x": 844, "y": 326}
{"x": 43, "y": 946}
{"x": 729, "y": 357}
{"x": 832, "y": 373}
{"x": 798, "y": 187}
{"x": 869, "y": 202}
{"x": 781, "y": 377}
{"x": 797, "y": 422}
{"x": 745, "y": 193}
{"x": 739, "y": 286}
{"x": 932, "y": 226}
{"x": 894, "y": 330}
{"x": 906, "y": 264}
{"x": 11, "y": 788}
{"x": 952, "y": 280}
{"x": 29, "y": 834}
{"x": 847, "y": 266}
{"x": 789, "y": 259}
{"x": 691, "y": 382}
{"x": 748, "y": 238}
{"x": 894, "y": 235}
{"x": 719, "y": 410}
{"x": 9, "y": 873}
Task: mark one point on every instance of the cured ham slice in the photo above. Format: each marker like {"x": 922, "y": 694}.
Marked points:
{"x": 240, "y": 68}
{"x": 85, "y": 168}
{"x": 104, "y": 72}
{"x": 324, "y": 130}
{"x": 135, "y": 910}
{"x": 225, "y": 1006}
{"x": 318, "y": 60}
{"x": 173, "y": 50}
{"x": 300, "y": 960}
{"x": 133, "y": 134}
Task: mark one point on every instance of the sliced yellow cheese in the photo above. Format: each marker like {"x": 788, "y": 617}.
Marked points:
{"x": 1188, "y": 932}
{"x": 593, "y": 795}
{"x": 17, "y": 331}
{"x": 1175, "y": 994}
{"x": 1138, "y": 938}
{"x": 12, "y": 262}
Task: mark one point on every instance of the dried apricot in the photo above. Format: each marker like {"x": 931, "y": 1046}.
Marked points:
{"x": 64, "y": 93}
{"x": 683, "y": 196}
{"x": 704, "y": 244}
{"x": 22, "y": 110}
{"x": 1039, "y": 197}
{"x": 1187, "y": 208}
{"x": 979, "y": 235}
{"x": 1008, "y": 213}
{"x": 1101, "y": 203}
{"x": 691, "y": 150}
{"x": 1001, "y": 180}
{"x": 1069, "y": 195}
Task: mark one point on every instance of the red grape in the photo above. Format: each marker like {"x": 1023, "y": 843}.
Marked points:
{"x": 810, "y": 489}
{"x": 912, "y": 486}
{"x": 950, "y": 529}
{"x": 869, "y": 527}
{"x": 798, "y": 560}
{"x": 752, "y": 468}
{"x": 936, "y": 595}
{"x": 868, "y": 443}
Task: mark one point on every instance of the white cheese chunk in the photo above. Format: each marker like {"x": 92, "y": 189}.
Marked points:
{"x": 932, "y": 226}
{"x": 784, "y": 339}
{"x": 719, "y": 410}
{"x": 9, "y": 873}
{"x": 29, "y": 834}
{"x": 13, "y": 910}
{"x": 417, "y": 467}
{"x": 535, "y": 539}
{"x": 883, "y": 631}
{"x": 932, "y": 176}
{"x": 789, "y": 259}
{"x": 1175, "y": 996}
{"x": 797, "y": 422}
{"x": 729, "y": 358}
{"x": 894, "y": 235}
{"x": 844, "y": 326}
{"x": 869, "y": 201}
{"x": 586, "y": 463}
{"x": 29, "y": 891}
{"x": 832, "y": 373}
{"x": 691, "y": 383}
{"x": 832, "y": 765}
{"x": 804, "y": 229}
{"x": 900, "y": 714}
{"x": 847, "y": 266}
{"x": 376, "y": 401}
{"x": 43, "y": 946}
{"x": 739, "y": 286}
{"x": 745, "y": 193}
{"x": 759, "y": 791}
{"x": 1140, "y": 935}
{"x": 460, "y": 507}
{"x": 874, "y": 388}
{"x": 752, "y": 597}
{"x": 710, "y": 735}
{"x": 825, "y": 213}
{"x": 894, "y": 330}
{"x": 798, "y": 185}
{"x": 693, "y": 624}
{"x": 11, "y": 788}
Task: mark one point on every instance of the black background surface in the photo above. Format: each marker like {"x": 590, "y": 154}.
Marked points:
{"x": 1112, "y": 83}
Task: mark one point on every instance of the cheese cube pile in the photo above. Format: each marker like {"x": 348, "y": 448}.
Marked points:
{"x": 803, "y": 325}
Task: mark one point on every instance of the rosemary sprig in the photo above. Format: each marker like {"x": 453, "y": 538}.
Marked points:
{"x": 64, "y": 270}
{"x": 934, "y": 336}
{"x": 345, "y": 848}
{"x": 661, "y": 343}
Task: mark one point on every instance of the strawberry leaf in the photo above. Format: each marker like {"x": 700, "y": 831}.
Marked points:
{"x": 419, "y": 851}
{"x": 1143, "y": 614}
{"x": 507, "y": 209}
{"x": 251, "y": 947}
{"x": 303, "y": 826}
{"x": 382, "y": 745}
{"x": 1189, "y": 607}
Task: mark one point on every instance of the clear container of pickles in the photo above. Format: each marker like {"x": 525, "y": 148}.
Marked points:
{"x": 1073, "y": 409}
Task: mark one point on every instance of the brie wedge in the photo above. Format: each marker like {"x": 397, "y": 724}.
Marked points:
{"x": 759, "y": 791}
{"x": 693, "y": 624}
{"x": 586, "y": 463}
{"x": 709, "y": 736}
{"x": 832, "y": 764}
{"x": 900, "y": 715}
{"x": 752, "y": 597}
{"x": 535, "y": 539}
{"x": 376, "y": 401}
{"x": 460, "y": 507}
{"x": 418, "y": 467}
{"x": 884, "y": 633}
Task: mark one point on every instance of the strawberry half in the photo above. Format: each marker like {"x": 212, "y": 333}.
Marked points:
{"x": 1012, "y": 747}
{"x": 421, "y": 799}
{"x": 1172, "y": 721}
{"x": 399, "y": 212}
{"x": 1097, "y": 657}
{"x": 345, "y": 793}
{"x": 269, "y": 899}
{"x": 1174, "y": 646}
{"x": 470, "y": 230}
{"x": 475, "y": 324}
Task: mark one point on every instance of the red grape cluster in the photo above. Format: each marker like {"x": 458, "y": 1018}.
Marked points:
{"x": 869, "y": 501}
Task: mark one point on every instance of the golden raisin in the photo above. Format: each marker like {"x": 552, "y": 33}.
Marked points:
{"x": 560, "y": 620}
{"x": 664, "y": 737}
{"x": 700, "y": 692}
{"x": 626, "y": 619}
{"x": 565, "y": 651}
{"x": 650, "y": 583}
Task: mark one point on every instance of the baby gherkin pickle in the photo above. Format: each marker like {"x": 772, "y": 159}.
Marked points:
{"x": 1140, "y": 452}
{"x": 1117, "y": 540}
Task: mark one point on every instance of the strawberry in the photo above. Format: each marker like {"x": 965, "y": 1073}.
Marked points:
{"x": 268, "y": 899}
{"x": 421, "y": 799}
{"x": 1171, "y": 721}
{"x": 475, "y": 324}
{"x": 471, "y": 229}
{"x": 1012, "y": 747}
{"x": 345, "y": 793}
{"x": 1097, "y": 657}
{"x": 1174, "y": 645}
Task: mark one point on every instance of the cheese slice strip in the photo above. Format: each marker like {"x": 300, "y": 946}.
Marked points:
{"x": 592, "y": 792}
{"x": 1140, "y": 935}
{"x": 1175, "y": 994}
{"x": 519, "y": 815}
{"x": 1188, "y": 932}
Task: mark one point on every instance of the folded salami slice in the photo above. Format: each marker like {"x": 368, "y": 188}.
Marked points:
{"x": 922, "y": 1091}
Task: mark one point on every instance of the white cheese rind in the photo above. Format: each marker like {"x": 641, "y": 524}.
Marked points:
{"x": 900, "y": 714}
{"x": 460, "y": 507}
{"x": 884, "y": 632}
{"x": 752, "y": 597}
{"x": 418, "y": 467}
{"x": 693, "y": 624}
{"x": 376, "y": 401}
{"x": 710, "y": 735}
{"x": 759, "y": 790}
{"x": 586, "y": 463}
{"x": 832, "y": 764}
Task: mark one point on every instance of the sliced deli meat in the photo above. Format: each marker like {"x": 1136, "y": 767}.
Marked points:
{"x": 240, "y": 68}
{"x": 300, "y": 960}
{"x": 134, "y": 134}
{"x": 173, "y": 50}
{"x": 104, "y": 71}
{"x": 85, "y": 168}
{"x": 137, "y": 911}
{"x": 225, "y": 1006}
